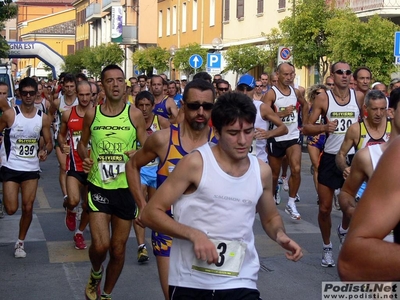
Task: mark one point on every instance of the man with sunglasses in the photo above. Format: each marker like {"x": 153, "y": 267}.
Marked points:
{"x": 340, "y": 107}
{"x": 170, "y": 145}
{"x": 223, "y": 87}
{"x": 21, "y": 155}
{"x": 284, "y": 98}
{"x": 329, "y": 82}
{"x": 258, "y": 90}
{"x": 216, "y": 191}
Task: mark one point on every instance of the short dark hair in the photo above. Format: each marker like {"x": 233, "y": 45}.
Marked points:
{"x": 142, "y": 76}
{"x": 108, "y": 68}
{"x": 144, "y": 95}
{"x": 198, "y": 84}
{"x": 394, "y": 98}
{"x": 219, "y": 81}
{"x": 81, "y": 76}
{"x": 338, "y": 62}
{"x": 28, "y": 81}
{"x": 70, "y": 78}
{"x": 203, "y": 76}
{"x": 355, "y": 73}
{"x": 231, "y": 107}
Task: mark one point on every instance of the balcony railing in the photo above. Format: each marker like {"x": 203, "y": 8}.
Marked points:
{"x": 373, "y": 6}
{"x": 107, "y": 4}
{"x": 93, "y": 12}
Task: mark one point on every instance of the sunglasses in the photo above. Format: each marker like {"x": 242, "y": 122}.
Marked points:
{"x": 223, "y": 89}
{"x": 26, "y": 93}
{"x": 258, "y": 85}
{"x": 330, "y": 84}
{"x": 196, "y": 106}
{"x": 341, "y": 72}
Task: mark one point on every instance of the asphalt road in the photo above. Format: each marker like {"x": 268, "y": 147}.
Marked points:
{"x": 53, "y": 269}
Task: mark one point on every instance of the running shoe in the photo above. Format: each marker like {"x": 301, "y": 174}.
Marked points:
{"x": 291, "y": 210}
{"x": 79, "y": 213}
{"x": 70, "y": 220}
{"x": 277, "y": 195}
{"x": 285, "y": 184}
{"x": 92, "y": 290}
{"x": 280, "y": 181}
{"x": 105, "y": 297}
{"x": 341, "y": 237}
{"x": 79, "y": 241}
{"x": 327, "y": 258}
{"x": 142, "y": 254}
{"x": 297, "y": 198}
{"x": 336, "y": 199}
{"x": 19, "y": 250}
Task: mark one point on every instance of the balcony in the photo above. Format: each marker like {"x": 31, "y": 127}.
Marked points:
{"x": 368, "y": 8}
{"x": 107, "y": 4}
{"x": 129, "y": 35}
{"x": 93, "y": 12}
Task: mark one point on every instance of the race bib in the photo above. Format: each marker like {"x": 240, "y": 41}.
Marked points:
{"x": 253, "y": 148}
{"x": 26, "y": 148}
{"x": 231, "y": 256}
{"x": 110, "y": 166}
{"x": 290, "y": 119}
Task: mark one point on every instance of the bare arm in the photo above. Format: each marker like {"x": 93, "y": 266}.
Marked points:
{"x": 83, "y": 152}
{"x": 350, "y": 140}
{"x": 270, "y": 218}
{"x": 62, "y": 134}
{"x": 186, "y": 174}
{"x": 54, "y": 106}
{"x": 48, "y": 141}
{"x": 358, "y": 174}
{"x": 377, "y": 213}
{"x": 150, "y": 151}
{"x": 305, "y": 108}
{"x": 268, "y": 114}
{"x": 172, "y": 110}
{"x": 319, "y": 108}
{"x": 140, "y": 125}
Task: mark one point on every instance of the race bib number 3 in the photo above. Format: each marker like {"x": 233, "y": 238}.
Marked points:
{"x": 231, "y": 256}
{"x": 110, "y": 166}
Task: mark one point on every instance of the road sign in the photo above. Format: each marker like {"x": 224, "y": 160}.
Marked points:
{"x": 397, "y": 60}
{"x": 195, "y": 61}
{"x": 397, "y": 43}
{"x": 214, "y": 60}
{"x": 284, "y": 55}
{"x": 136, "y": 70}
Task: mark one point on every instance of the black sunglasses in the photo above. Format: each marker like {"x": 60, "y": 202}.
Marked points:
{"x": 341, "y": 72}
{"x": 25, "y": 93}
{"x": 223, "y": 89}
{"x": 196, "y": 106}
{"x": 258, "y": 85}
{"x": 330, "y": 84}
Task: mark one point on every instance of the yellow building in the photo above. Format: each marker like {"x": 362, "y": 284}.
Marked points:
{"x": 52, "y": 25}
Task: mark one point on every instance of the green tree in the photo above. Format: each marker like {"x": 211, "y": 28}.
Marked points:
{"x": 272, "y": 42}
{"x": 242, "y": 58}
{"x": 182, "y": 55}
{"x": 305, "y": 32}
{"x": 367, "y": 44}
{"x": 8, "y": 10}
{"x": 74, "y": 62}
{"x": 95, "y": 58}
{"x": 149, "y": 58}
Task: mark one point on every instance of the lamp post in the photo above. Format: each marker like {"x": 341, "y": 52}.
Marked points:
{"x": 217, "y": 44}
{"x": 172, "y": 51}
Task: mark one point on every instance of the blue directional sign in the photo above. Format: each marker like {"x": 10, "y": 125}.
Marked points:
{"x": 214, "y": 60}
{"x": 136, "y": 70}
{"x": 397, "y": 43}
{"x": 195, "y": 61}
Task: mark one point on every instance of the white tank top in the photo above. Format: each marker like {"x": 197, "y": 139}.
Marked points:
{"x": 227, "y": 206}
{"x": 346, "y": 115}
{"x": 281, "y": 102}
{"x": 261, "y": 123}
{"x": 21, "y": 142}
{"x": 375, "y": 152}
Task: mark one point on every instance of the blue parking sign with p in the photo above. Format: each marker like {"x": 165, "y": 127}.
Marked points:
{"x": 214, "y": 60}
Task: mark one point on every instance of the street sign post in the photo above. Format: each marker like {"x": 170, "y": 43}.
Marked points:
{"x": 284, "y": 55}
{"x": 214, "y": 62}
{"x": 397, "y": 43}
{"x": 195, "y": 61}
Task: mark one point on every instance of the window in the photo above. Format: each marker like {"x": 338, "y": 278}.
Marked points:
{"x": 12, "y": 35}
{"x": 226, "y": 11}
{"x": 160, "y": 20}
{"x": 184, "y": 17}
{"x": 260, "y": 6}
{"x": 194, "y": 15}
{"x": 240, "y": 9}
{"x": 212, "y": 12}
{"x": 174, "y": 20}
{"x": 282, "y": 4}
{"x": 168, "y": 21}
